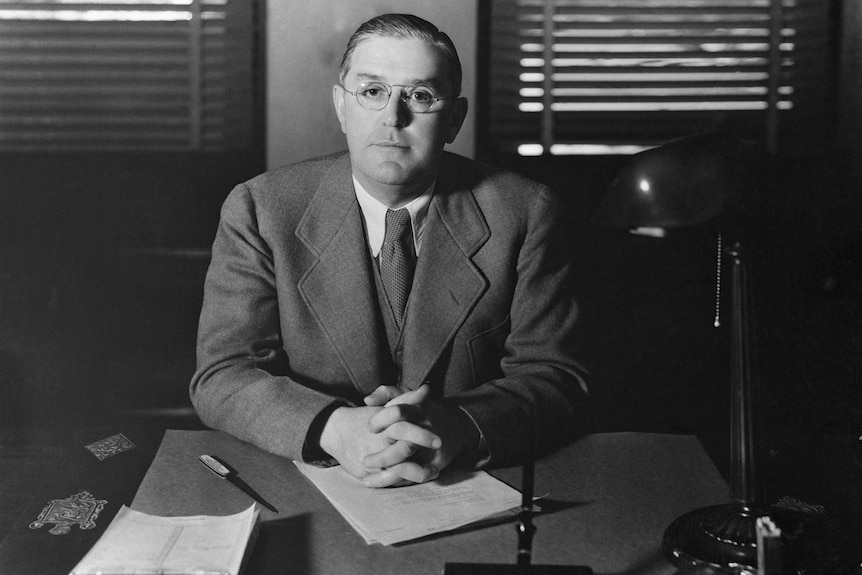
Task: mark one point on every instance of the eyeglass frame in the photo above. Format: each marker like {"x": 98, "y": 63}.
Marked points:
{"x": 403, "y": 97}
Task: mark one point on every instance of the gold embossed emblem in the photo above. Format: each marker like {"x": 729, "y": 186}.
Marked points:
{"x": 110, "y": 446}
{"x": 80, "y": 509}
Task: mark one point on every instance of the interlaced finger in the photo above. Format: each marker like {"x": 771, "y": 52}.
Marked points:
{"x": 393, "y": 414}
{"x": 396, "y": 453}
{"x": 416, "y": 434}
{"x": 414, "y": 397}
{"x": 401, "y": 474}
{"x": 382, "y": 395}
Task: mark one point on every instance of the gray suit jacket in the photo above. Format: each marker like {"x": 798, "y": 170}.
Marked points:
{"x": 290, "y": 318}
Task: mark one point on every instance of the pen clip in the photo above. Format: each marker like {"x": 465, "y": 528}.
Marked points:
{"x": 215, "y": 466}
{"x": 225, "y": 472}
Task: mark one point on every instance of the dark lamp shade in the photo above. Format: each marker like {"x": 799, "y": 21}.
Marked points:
{"x": 684, "y": 182}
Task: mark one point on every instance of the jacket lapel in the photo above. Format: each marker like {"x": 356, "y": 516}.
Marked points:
{"x": 447, "y": 284}
{"x": 339, "y": 286}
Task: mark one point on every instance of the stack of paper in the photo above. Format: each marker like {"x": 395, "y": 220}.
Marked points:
{"x": 137, "y": 543}
{"x": 386, "y": 516}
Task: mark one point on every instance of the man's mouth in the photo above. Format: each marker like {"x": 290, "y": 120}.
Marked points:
{"x": 390, "y": 144}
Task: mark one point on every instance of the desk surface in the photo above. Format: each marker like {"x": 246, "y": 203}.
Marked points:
{"x": 609, "y": 499}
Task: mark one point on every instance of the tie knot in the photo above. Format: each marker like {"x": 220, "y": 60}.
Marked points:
{"x": 397, "y": 221}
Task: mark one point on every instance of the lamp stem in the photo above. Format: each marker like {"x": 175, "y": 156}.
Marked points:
{"x": 724, "y": 536}
{"x": 742, "y": 473}
{"x": 716, "y": 321}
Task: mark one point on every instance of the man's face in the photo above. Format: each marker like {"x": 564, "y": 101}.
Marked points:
{"x": 394, "y": 152}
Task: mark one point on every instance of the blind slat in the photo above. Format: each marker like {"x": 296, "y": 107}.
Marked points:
{"x": 656, "y": 65}
{"x": 75, "y": 67}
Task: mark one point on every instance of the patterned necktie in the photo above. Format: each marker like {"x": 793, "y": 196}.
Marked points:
{"x": 396, "y": 261}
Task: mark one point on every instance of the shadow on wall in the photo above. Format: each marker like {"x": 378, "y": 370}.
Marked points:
{"x": 102, "y": 258}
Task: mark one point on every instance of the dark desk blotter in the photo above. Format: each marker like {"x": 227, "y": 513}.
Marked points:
{"x": 79, "y": 476}
{"x": 611, "y": 497}
{"x": 177, "y": 484}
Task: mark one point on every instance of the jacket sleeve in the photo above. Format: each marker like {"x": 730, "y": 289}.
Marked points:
{"x": 539, "y": 402}
{"x": 242, "y": 384}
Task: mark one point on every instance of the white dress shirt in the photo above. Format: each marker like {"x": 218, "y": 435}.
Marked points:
{"x": 374, "y": 213}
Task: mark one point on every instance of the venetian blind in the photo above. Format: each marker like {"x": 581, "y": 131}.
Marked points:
{"x": 616, "y": 76}
{"x": 127, "y": 74}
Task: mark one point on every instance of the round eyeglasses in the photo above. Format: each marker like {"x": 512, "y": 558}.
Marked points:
{"x": 375, "y": 96}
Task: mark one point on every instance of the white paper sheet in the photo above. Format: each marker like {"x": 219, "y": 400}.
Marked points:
{"x": 386, "y": 516}
{"x": 135, "y": 542}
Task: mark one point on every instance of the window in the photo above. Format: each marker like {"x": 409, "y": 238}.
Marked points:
{"x": 127, "y": 75}
{"x": 616, "y": 76}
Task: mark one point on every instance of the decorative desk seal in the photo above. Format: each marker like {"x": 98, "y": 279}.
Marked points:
{"x": 80, "y": 508}
{"x": 110, "y": 446}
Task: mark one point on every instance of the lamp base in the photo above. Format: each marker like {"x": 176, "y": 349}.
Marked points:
{"x": 721, "y": 537}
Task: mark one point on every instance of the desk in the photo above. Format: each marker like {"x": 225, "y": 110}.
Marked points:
{"x": 610, "y": 497}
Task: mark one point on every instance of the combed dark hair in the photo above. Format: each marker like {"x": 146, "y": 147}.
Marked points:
{"x": 405, "y": 26}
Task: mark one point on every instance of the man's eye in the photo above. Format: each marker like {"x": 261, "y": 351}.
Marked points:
{"x": 374, "y": 91}
{"x": 422, "y": 97}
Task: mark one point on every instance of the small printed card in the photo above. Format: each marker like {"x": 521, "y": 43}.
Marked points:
{"x": 110, "y": 446}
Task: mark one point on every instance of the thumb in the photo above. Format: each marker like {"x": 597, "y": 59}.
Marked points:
{"x": 382, "y": 394}
{"x": 413, "y": 397}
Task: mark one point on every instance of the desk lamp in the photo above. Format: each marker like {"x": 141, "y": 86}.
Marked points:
{"x": 687, "y": 183}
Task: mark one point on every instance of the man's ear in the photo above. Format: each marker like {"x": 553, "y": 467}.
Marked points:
{"x": 457, "y": 112}
{"x": 338, "y": 101}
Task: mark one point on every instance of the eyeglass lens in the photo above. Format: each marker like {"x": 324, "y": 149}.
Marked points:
{"x": 375, "y": 96}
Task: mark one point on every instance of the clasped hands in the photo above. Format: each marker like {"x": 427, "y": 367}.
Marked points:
{"x": 399, "y": 437}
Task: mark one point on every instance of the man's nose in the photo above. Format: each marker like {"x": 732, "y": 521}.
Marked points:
{"x": 396, "y": 113}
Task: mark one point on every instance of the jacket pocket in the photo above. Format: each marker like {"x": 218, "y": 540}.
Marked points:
{"x": 487, "y": 348}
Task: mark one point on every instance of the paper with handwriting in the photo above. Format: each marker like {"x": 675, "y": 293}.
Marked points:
{"x": 387, "y": 516}
{"x": 136, "y": 542}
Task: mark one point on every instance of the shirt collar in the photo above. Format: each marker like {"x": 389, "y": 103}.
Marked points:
{"x": 374, "y": 213}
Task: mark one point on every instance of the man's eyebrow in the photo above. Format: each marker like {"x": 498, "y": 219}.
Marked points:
{"x": 431, "y": 82}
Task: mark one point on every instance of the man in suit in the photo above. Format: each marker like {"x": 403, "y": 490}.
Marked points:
{"x": 395, "y": 309}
